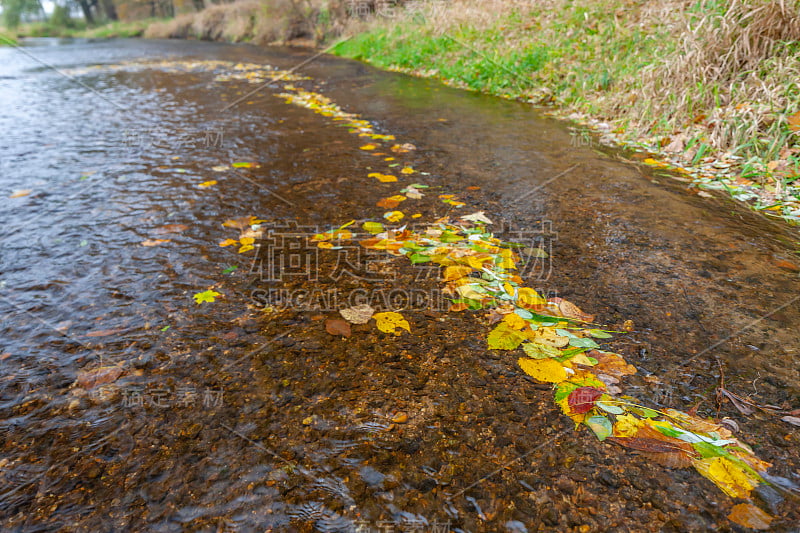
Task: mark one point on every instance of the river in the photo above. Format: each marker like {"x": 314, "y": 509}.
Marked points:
{"x": 225, "y": 417}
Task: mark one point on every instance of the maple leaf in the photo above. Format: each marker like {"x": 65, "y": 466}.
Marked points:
{"x": 206, "y": 296}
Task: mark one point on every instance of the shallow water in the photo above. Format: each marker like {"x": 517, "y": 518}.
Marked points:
{"x": 232, "y": 419}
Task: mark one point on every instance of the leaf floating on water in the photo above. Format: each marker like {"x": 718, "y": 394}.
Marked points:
{"x": 478, "y": 218}
{"x": 547, "y": 370}
{"x": 154, "y": 242}
{"x": 245, "y": 164}
{"x": 171, "y": 228}
{"x": 206, "y": 296}
{"x": 229, "y": 242}
{"x": 207, "y": 184}
{"x": 20, "y": 193}
{"x": 368, "y": 147}
{"x": 391, "y": 202}
{"x": 570, "y": 310}
{"x": 358, "y": 314}
{"x": 334, "y": 326}
{"x": 103, "y": 332}
{"x": 505, "y": 337}
{"x": 582, "y": 400}
{"x": 89, "y": 379}
{"x": 372, "y": 227}
{"x": 453, "y": 273}
{"x": 247, "y": 248}
{"x": 383, "y": 178}
{"x": 242, "y": 223}
{"x": 390, "y": 321}
{"x": 540, "y": 351}
{"x": 220, "y": 168}
{"x": 600, "y": 425}
{"x": 394, "y": 216}
{"x": 727, "y": 475}
{"x": 748, "y": 515}
{"x": 407, "y": 170}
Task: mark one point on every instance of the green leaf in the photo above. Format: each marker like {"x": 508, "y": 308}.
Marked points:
{"x": 165, "y": 328}
{"x": 230, "y": 269}
{"x": 504, "y": 337}
{"x": 372, "y": 227}
{"x": 600, "y": 425}
{"x": 564, "y": 390}
{"x": 599, "y": 334}
{"x": 419, "y": 258}
{"x": 523, "y": 313}
{"x": 540, "y": 351}
{"x": 583, "y": 343}
{"x": 610, "y": 408}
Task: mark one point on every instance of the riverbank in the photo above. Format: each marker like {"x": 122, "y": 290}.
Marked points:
{"x": 709, "y": 89}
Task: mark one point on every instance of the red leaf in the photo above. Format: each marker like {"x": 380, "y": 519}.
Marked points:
{"x": 582, "y": 399}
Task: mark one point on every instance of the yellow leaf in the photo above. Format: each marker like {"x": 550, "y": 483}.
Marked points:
{"x": 386, "y": 178}
{"x": 547, "y": 370}
{"x": 468, "y": 291}
{"x": 389, "y": 321}
{"x": 515, "y": 321}
{"x": 627, "y": 426}
{"x": 325, "y": 245}
{"x": 504, "y": 337}
{"x": 228, "y": 242}
{"x": 246, "y": 248}
{"x": 416, "y": 215}
{"x": 727, "y": 475}
{"x": 394, "y": 216}
{"x": 452, "y": 273}
{"x": 407, "y": 170}
{"x": 389, "y": 159}
{"x": 20, "y": 193}
{"x": 247, "y": 240}
{"x": 207, "y": 184}
{"x": 549, "y": 337}
{"x": 369, "y": 146}
{"x": 529, "y": 298}
{"x": 507, "y": 258}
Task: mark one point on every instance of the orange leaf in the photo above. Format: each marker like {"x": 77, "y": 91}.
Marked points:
{"x": 748, "y": 515}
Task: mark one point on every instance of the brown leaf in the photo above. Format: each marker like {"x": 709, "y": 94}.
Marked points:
{"x": 171, "y": 228}
{"x": 103, "y": 332}
{"x": 748, "y": 515}
{"x": 611, "y": 364}
{"x": 787, "y": 265}
{"x": 570, "y": 310}
{"x": 334, "y": 326}
{"x": 794, "y": 121}
{"x": 88, "y": 379}
{"x": 739, "y": 403}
